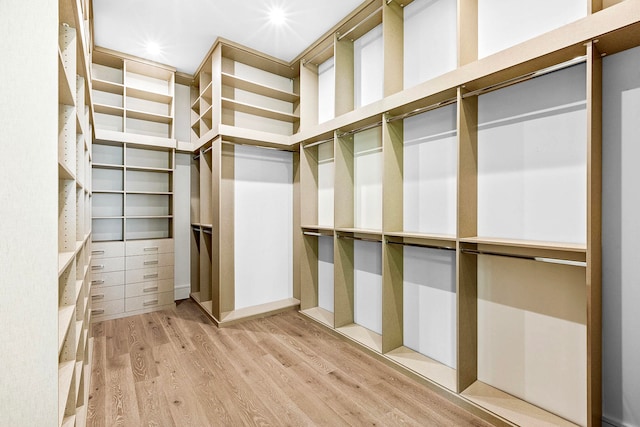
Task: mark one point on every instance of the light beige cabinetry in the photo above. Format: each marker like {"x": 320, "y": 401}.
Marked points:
{"x": 131, "y": 277}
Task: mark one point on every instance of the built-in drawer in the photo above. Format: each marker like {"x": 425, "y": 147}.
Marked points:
{"x": 106, "y": 308}
{"x": 149, "y": 274}
{"x": 108, "y": 293}
{"x": 145, "y": 247}
{"x": 112, "y": 278}
{"x": 107, "y": 249}
{"x": 148, "y": 288}
{"x": 104, "y": 265}
{"x": 149, "y": 260}
{"x": 150, "y": 301}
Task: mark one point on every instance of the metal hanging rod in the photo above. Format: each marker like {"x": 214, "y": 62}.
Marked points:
{"x": 526, "y": 77}
{"x": 360, "y": 129}
{"x": 196, "y": 157}
{"x": 313, "y": 144}
{"x": 342, "y": 236}
{"x": 422, "y": 110}
{"x": 341, "y": 36}
{"x": 530, "y": 258}
{"x": 208, "y": 149}
{"x": 420, "y": 245}
{"x": 207, "y": 231}
{"x": 310, "y": 60}
{"x": 311, "y": 233}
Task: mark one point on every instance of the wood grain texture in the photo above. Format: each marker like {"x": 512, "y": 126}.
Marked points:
{"x": 280, "y": 370}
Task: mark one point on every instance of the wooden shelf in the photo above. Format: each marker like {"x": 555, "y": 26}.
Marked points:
{"x": 64, "y": 172}
{"x": 425, "y": 366}
{"x": 360, "y": 233}
{"x": 533, "y": 244}
{"x": 162, "y": 98}
{"x": 107, "y": 86}
{"x": 108, "y": 192}
{"x": 66, "y": 95}
{"x": 107, "y": 166}
{"x": 507, "y": 406}
{"x": 108, "y": 109}
{"x": 257, "y": 88}
{"x": 65, "y": 377}
{"x": 150, "y": 217}
{"x": 363, "y": 336}
{"x": 258, "y": 111}
{"x": 64, "y": 260}
{"x": 69, "y": 421}
{"x": 148, "y": 169}
{"x": 426, "y": 236}
{"x": 151, "y": 117}
{"x": 107, "y": 217}
{"x": 153, "y": 193}
{"x": 320, "y": 315}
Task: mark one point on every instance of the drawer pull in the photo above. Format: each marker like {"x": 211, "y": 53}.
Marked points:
{"x": 151, "y": 289}
{"x": 148, "y": 303}
{"x": 97, "y": 282}
{"x": 97, "y": 267}
{"x": 97, "y": 297}
{"x": 97, "y": 252}
{"x": 151, "y": 249}
{"x": 97, "y": 311}
{"x": 151, "y": 276}
{"x": 150, "y": 262}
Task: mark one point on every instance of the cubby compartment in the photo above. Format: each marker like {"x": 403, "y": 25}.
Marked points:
{"x": 108, "y": 205}
{"x": 368, "y": 64}
{"x": 367, "y": 180}
{"x": 148, "y": 181}
{"x": 105, "y": 153}
{"x": 317, "y": 277}
{"x": 149, "y": 158}
{"x": 149, "y": 205}
{"x": 430, "y": 40}
{"x": 107, "y": 179}
{"x": 107, "y": 229}
{"x": 148, "y": 228}
{"x": 326, "y": 90}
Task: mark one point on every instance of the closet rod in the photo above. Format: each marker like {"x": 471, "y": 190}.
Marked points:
{"x": 420, "y": 245}
{"x": 341, "y": 36}
{"x": 207, "y": 231}
{"x": 360, "y": 129}
{"x": 196, "y": 157}
{"x": 256, "y": 146}
{"x": 310, "y": 233}
{"x": 313, "y": 144}
{"x": 308, "y": 61}
{"x": 208, "y": 149}
{"x": 342, "y": 236}
{"x": 526, "y": 77}
{"x": 530, "y": 258}
{"x": 422, "y": 110}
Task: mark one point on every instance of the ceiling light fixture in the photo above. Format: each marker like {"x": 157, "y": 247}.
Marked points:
{"x": 153, "y": 48}
{"x": 277, "y": 16}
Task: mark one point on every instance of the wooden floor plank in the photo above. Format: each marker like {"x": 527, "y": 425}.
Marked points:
{"x": 174, "y": 367}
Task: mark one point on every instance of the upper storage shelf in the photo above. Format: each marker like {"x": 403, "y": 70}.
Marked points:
{"x": 133, "y": 96}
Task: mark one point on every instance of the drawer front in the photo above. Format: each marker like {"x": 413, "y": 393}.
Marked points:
{"x": 106, "y": 308}
{"x": 145, "y": 247}
{"x": 105, "y": 265}
{"x": 108, "y": 293}
{"x": 149, "y": 274}
{"x": 107, "y": 250}
{"x": 148, "y": 288}
{"x": 150, "y": 260}
{"x": 149, "y": 301}
{"x": 100, "y": 279}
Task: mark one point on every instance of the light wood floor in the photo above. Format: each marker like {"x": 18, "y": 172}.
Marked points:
{"x": 175, "y": 368}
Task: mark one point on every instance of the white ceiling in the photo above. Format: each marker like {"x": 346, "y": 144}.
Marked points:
{"x": 186, "y": 29}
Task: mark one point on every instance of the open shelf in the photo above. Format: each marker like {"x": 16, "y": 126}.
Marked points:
{"x": 319, "y": 314}
{"x": 258, "y": 111}
{"x": 362, "y": 335}
{"x": 65, "y": 377}
{"x": 260, "y": 89}
{"x": 151, "y": 117}
{"x": 65, "y": 314}
{"x": 107, "y": 86}
{"x": 425, "y": 366}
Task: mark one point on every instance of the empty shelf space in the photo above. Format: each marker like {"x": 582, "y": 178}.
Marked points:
{"x": 320, "y": 315}
{"x": 424, "y": 366}
{"x": 69, "y": 421}
{"x": 533, "y": 244}
{"x": 153, "y": 193}
{"x": 250, "y": 86}
{"x": 107, "y": 86}
{"x": 65, "y": 376}
{"x": 65, "y": 314}
{"x": 505, "y": 405}
{"x": 65, "y": 93}
{"x": 148, "y": 169}
{"x": 359, "y": 233}
{"x": 230, "y": 317}
{"x": 150, "y": 217}
{"x": 64, "y": 259}
{"x": 106, "y": 166}
{"x": 414, "y": 235}
{"x": 258, "y": 111}
{"x": 363, "y": 336}
{"x": 64, "y": 172}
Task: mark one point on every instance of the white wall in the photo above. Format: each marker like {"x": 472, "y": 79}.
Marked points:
{"x": 368, "y": 65}
{"x": 28, "y": 208}
{"x": 532, "y": 159}
{"x": 263, "y": 209}
{"x": 430, "y": 40}
{"x": 429, "y": 303}
{"x": 326, "y": 90}
{"x": 367, "y": 171}
{"x": 367, "y": 285}
{"x": 620, "y": 233}
{"x": 504, "y": 23}
{"x": 430, "y": 169}
{"x": 325, "y": 273}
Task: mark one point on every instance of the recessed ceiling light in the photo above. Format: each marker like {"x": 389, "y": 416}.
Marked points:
{"x": 277, "y": 16}
{"x": 153, "y": 48}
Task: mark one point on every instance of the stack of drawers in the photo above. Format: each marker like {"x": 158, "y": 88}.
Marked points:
{"x": 131, "y": 277}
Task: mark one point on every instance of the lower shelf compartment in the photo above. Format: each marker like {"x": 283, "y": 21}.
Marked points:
{"x": 319, "y": 314}
{"x": 422, "y": 365}
{"x": 364, "y": 336}
{"x": 232, "y": 317}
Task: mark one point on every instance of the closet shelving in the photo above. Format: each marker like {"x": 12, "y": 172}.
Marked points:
{"x": 444, "y": 258}
{"x": 133, "y": 99}
{"x": 245, "y": 96}
{"x": 74, "y": 210}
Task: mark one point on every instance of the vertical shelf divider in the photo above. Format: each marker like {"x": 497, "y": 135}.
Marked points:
{"x": 227, "y": 234}
{"x": 344, "y": 69}
{"x": 467, "y": 271}
{"x": 309, "y": 215}
{"x": 467, "y": 31}
{"x": 393, "y": 34}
